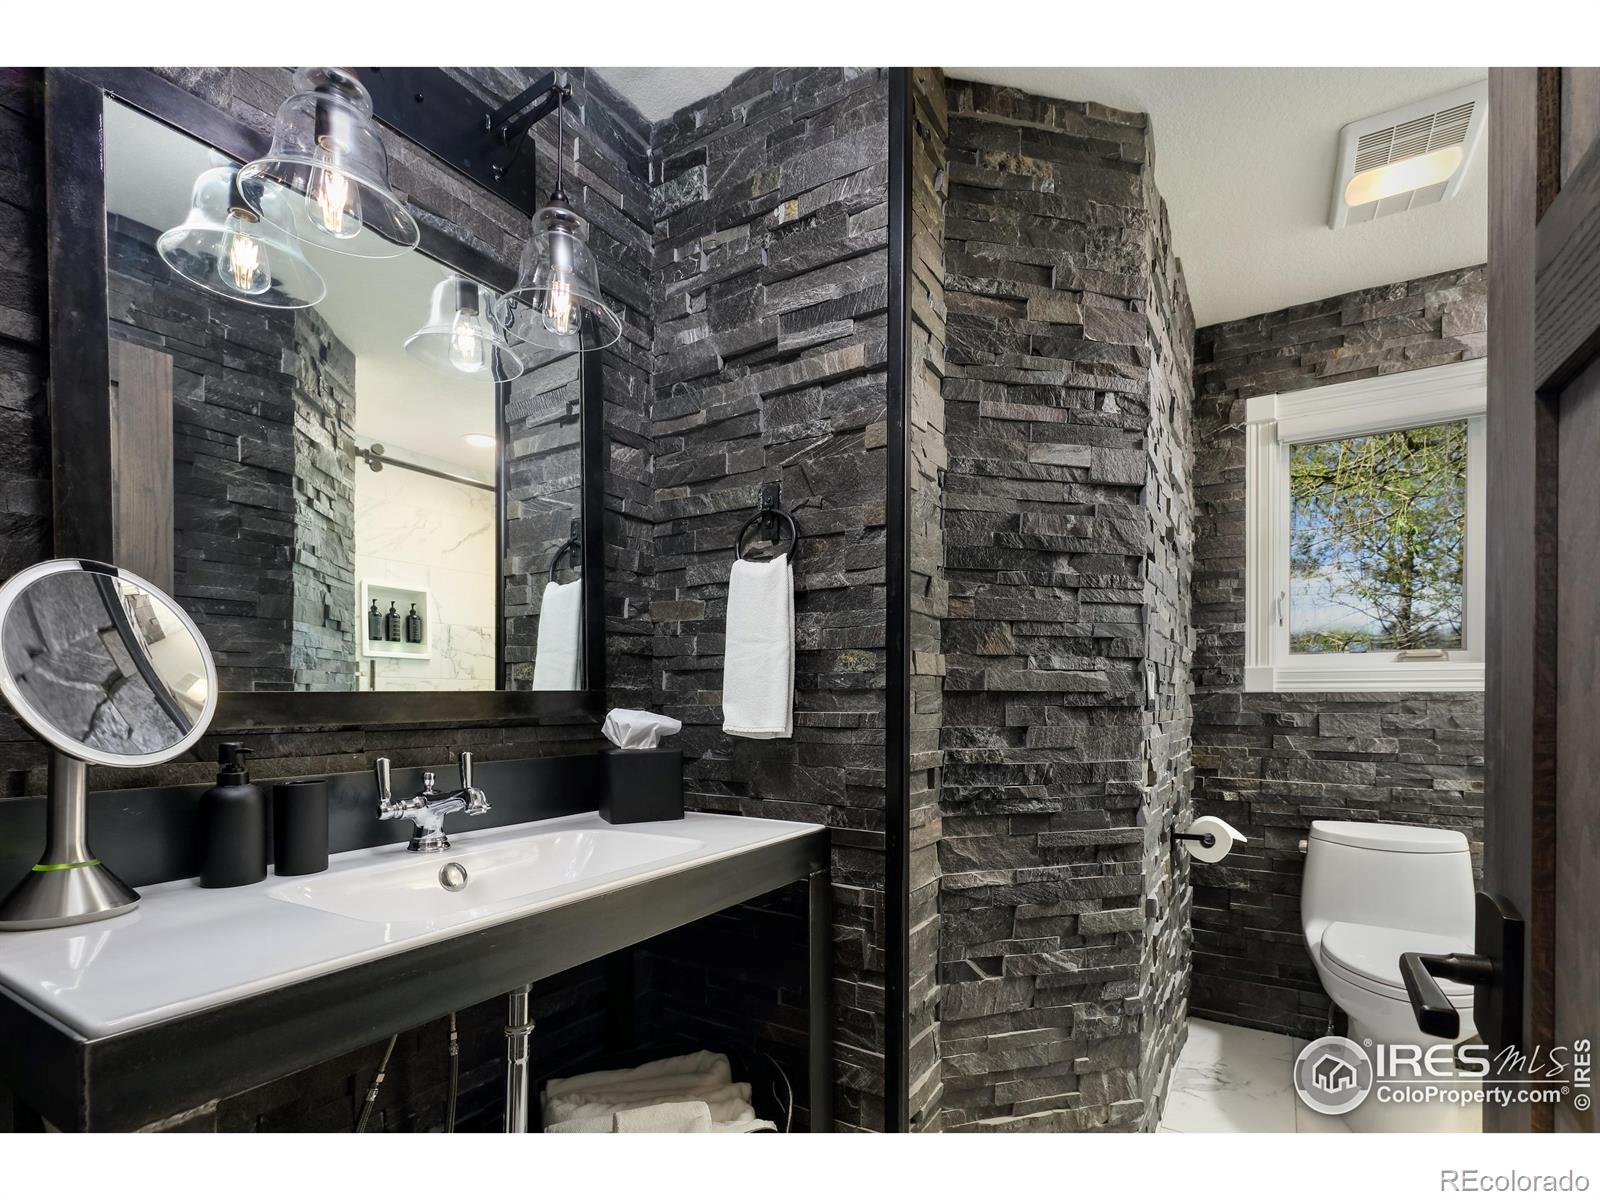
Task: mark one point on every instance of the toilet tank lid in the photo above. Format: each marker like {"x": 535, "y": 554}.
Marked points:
{"x": 1403, "y": 839}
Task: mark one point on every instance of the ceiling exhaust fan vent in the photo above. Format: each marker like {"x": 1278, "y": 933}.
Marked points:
{"x": 1406, "y": 158}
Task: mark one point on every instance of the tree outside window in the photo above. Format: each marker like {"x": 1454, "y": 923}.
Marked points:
{"x": 1377, "y": 541}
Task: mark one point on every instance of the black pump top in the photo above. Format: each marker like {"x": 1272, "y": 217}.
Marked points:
{"x": 231, "y": 755}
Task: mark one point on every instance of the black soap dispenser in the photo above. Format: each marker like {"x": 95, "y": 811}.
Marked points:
{"x": 233, "y": 824}
{"x": 413, "y": 625}
{"x": 374, "y": 623}
{"x": 391, "y": 625}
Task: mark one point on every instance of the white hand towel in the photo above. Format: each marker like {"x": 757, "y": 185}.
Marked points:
{"x": 758, "y": 655}
{"x": 634, "y": 729}
{"x": 556, "y": 660}
{"x": 702, "y": 1066}
{"x": 728, "y": 1103}
{"x": 690, "y": 1116}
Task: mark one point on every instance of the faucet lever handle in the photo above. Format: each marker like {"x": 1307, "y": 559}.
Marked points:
{"x": 465, "y": 762}
{"x": 380, "y": 769}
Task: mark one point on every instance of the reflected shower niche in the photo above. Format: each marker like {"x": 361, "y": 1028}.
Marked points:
{"x": 371, "y": 488}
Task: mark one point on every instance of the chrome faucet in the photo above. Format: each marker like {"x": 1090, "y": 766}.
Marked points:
{"x": 428, "y": 808}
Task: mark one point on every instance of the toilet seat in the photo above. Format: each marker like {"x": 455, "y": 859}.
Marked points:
{"x": 1368, "y": 957}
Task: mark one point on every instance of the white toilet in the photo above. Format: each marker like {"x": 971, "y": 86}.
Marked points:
{"x": 1373, "y": 892}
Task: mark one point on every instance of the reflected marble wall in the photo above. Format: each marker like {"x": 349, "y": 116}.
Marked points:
{"x": 419, "y": 532}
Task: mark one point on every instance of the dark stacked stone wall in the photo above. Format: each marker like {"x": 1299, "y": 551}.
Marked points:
{"x": 770, "y": 309}
{"x": 1168, "y": 657}
{"x": 263, "y": 472}
{"x": 24, "y": 363}
{"x": 324, "y": 643}
{"x": 930, "y": 593}
{"x": 544, "y": 475}
{"x": 1270, "y": 764}
{"x": 1066, "y": 639}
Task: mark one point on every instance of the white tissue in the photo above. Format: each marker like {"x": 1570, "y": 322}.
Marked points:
{"x": 1225, "y": 834}
{"x": 634, "y": 729}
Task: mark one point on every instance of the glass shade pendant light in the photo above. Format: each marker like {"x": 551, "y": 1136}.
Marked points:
{"x": 327, "y": 155}
{"x": 459, "y": 336}
{"x": 558, "y": 282}
{"x": 226, "y": 247}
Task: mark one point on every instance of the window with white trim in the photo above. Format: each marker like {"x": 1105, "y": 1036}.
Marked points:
{"x": 1364, "y": 550}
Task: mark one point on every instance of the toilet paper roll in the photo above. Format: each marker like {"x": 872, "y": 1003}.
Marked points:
{"x": 1225, "y": 834}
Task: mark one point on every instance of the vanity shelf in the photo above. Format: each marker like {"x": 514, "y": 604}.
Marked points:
{"x": 152, "y": 1067}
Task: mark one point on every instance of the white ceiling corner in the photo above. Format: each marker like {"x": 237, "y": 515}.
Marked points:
{"x": 658, "y": 92}
{"x": 1245, "y": 160}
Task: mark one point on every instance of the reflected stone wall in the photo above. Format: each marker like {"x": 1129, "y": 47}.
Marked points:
{"x": 264, "y": 511}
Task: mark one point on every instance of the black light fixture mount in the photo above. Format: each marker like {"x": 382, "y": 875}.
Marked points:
{"x": 454, "y": 124}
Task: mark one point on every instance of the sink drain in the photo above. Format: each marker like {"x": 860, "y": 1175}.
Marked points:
{"x": 452, "y": 877}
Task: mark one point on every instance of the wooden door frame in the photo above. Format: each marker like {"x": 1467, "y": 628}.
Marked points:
{"x": 1544, "y": 253}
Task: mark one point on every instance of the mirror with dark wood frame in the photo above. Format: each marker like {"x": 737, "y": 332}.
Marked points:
{"x": 356, "y": 501}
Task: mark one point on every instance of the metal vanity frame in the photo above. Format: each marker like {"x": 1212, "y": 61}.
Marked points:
{"x": 133, "y": 1079}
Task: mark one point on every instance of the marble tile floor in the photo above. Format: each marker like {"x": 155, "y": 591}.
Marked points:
{"x": 1235, "y": 1080}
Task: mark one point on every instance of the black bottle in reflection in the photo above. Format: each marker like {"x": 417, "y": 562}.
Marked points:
{"x": 413, "y": 625}
{"x": 374, "y": 623}
{"x": 391, "y": 624}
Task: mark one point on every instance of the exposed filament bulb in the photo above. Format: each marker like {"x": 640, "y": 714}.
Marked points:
{"x": 335, "y": 203}
{"x": 242, "y": 262}
{"x": 558, "y": 309}
{"x": 467, "y": 349}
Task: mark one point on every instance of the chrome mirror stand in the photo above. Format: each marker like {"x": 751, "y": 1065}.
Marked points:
{"x": 68, "y": 885}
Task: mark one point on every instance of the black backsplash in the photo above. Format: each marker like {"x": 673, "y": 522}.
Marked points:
{"x": 148, "y": 835}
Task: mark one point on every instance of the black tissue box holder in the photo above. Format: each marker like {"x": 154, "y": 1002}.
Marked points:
{"x": 641, "y": 785}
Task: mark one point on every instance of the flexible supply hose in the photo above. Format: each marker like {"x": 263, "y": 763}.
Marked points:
{"x": 455, "y": 1077}
{"x": 377, "y": 1082}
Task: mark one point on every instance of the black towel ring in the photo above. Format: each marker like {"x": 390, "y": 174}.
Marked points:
{"x": 768, "y": 510}
{"x": 574, "y": 546}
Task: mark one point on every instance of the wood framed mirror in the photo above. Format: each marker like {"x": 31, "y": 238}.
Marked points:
{"x": 282, "y": 470}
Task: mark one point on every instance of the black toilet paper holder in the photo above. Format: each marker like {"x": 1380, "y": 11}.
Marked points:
{"x": 1207, "y": 840}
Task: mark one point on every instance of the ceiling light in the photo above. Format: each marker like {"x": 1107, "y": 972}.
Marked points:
{"x": 225, "y": 247}
{"x": 327, "y": 154}
{"x": 1407, "y": 175}
{"x": 1407, "y": 157}
{"x": 482, "y": 441}
{"x": 459, "y": 336}
{"x": 557, "y": 303}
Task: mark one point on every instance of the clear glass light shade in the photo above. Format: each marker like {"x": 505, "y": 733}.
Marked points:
{"x": 558, "y": 286}
{"x": 327, "y": 157}
{"x": 226, "y": 247}
{"x": 460, "y": 334}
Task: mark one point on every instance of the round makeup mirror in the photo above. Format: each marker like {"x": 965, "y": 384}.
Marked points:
{"x": 106, "y": 669}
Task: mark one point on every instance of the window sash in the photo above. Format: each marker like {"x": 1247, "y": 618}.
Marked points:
{"x": 1433, "y": 396}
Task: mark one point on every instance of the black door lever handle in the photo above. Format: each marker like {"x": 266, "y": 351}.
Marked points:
{"x": 1434, "y": 1012}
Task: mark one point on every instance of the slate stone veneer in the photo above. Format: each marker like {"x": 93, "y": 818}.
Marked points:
{"x": 264, "y": 471}
{"x": 1063, "y": 940}
{"x": 1270, "y": 764}
{"x": 929, "y": 589}
{"x": 771, "y": 294}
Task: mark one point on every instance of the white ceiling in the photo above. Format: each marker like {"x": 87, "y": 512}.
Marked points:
{"x": 658, "y": 92}
{"x": 1245, "y": 160}
{"x": 417, "y": 411}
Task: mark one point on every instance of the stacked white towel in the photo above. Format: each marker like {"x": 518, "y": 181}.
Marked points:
{"x": 758, "y": 651}
{"x": 557, "y": 658}
{"x": 692, "y": 1093}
